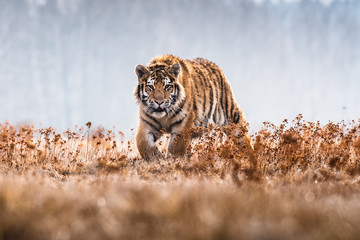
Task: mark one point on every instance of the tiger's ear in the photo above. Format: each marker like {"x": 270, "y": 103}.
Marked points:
{"x": 141, "y": 71}
{"x": 175, "y": 70}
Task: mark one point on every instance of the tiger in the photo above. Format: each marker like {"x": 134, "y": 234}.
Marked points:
{"x": 175, "y": 95}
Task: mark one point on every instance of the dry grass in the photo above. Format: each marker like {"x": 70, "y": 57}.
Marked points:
{"x": 91, "y": 184}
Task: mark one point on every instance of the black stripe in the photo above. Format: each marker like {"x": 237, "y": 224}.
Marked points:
{"x": 176, "y": 123}
{"x": 150, "y": 124}
{"x": 142, "y": 88}
{"x": 236, "y": 117}
{"x": 211, "y": 102}
{"x": 214, "y": 82}
{"x": 219, "y": 80}
{"x": 138, "y": 92}
{"x": 195, "y": 107}
{"x": 215, "y": 114}
{"x": 204, "y": 86}
{"x": 223, "y": 93}
{"x": 204, "y": 102}
{"x": 155, "y": 138}
{"x": 179, "y": 121}
{"x": 196, "y": 82}
{"x": 175, "y": 93}
{"x": 180, "y": 108}
{"x": 226, "y": 102}
{"x": 232, "y": 109}
{"x": 176, "y": 90}
{"x": 194, "y": 92}
{"x": 171, "y": 78}
{"x": 152, "y": 118}
{"x": 211, "y": 88}
{"x": 142, "y": 93}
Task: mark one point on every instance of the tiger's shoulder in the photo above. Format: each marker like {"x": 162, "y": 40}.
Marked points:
{"x": 169, "y": 59}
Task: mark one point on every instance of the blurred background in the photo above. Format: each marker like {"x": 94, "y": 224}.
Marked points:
{"x": 66, "y": 62}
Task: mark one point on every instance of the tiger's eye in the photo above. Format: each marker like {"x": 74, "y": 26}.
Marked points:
{"x": 167, "y": 87}
{"x": 150, "y": 87}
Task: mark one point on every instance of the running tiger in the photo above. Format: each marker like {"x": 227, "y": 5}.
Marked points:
{"x": 175, "y": 95}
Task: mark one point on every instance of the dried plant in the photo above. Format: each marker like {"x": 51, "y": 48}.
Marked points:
{"x": 301, "y": 182}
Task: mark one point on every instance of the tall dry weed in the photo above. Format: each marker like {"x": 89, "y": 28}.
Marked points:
{"x": 301, "y": 181}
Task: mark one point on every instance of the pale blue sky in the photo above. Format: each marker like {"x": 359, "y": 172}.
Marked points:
{"x": 67, "y": 62}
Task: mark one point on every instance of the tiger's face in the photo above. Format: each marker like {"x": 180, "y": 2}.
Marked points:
{"x": 159, "y": 90}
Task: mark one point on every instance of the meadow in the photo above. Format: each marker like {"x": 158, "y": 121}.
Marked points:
{"x": 90, "y": 183}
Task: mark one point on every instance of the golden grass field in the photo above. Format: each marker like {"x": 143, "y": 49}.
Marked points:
{"x": 90, "y": 183}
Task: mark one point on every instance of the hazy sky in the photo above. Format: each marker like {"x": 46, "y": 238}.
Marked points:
{"x": 67, "y": 62}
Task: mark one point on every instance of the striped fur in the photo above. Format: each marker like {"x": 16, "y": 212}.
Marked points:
{"x": 175, "y": 95}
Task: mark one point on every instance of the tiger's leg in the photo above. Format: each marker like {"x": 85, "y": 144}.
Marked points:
{"x": 241, "y": 131}
{"x": 178, "y": 144}
{"x": 180, "y": 138}
{"x": 145, "y": 141}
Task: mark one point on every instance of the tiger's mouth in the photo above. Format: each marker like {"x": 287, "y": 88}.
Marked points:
{"x": 157, "y": 110}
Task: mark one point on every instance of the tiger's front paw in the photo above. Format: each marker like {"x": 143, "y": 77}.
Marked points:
{"x": 178, "y": 147}
{"x": 151, "y": 154}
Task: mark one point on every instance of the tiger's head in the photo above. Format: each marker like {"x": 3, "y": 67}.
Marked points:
{"x": 159, "y": 91}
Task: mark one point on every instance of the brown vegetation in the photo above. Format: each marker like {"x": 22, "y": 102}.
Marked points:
{"x": 91, "y": 184}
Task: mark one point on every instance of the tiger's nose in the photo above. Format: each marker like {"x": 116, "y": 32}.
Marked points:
{"x": 159, "y": 101}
